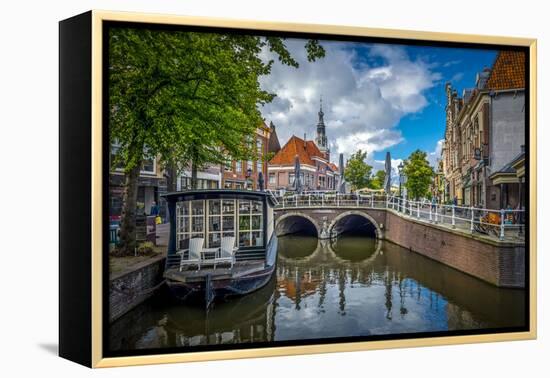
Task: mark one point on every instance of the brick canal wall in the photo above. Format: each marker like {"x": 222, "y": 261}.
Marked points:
{"x": 501, "y": 264}
{"x": 129, "y": 289}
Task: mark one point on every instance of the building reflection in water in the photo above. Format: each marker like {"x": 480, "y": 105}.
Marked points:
{"x": 351, "y": 287}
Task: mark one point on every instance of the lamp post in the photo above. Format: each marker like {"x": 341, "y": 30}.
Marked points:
{"x": 248, "y": 174}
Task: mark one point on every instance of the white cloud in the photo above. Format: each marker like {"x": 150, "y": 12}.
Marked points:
{"x": 457, "y": 77}
{"x": 381, "y": 164}
{"x": 435, "y": 155}
{"x": 362, "y": 103}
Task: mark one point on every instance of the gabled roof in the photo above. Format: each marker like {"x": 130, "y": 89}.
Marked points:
{"x": 297, "y": 147}
{"x": 273, "y": 144}
{"x": 508, "y": 71}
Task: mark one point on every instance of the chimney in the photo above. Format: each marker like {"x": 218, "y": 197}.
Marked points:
{"x": 304, "y": 140}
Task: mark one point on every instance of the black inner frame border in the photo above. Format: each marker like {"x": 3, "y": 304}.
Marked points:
{"x": 107, "y": 25}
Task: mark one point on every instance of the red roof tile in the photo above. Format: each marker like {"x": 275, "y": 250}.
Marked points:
{"x": 508, "y": 71}
{"x": 296, "y": 146}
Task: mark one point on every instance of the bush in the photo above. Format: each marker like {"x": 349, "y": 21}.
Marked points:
{"x": 145, "y": 248}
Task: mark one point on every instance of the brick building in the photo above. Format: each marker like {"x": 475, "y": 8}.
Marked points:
{"x": 233, "y": 174}
{"x": 244, "y": 174}
{"x": 485, "y": 132}
{"x": 316, "y": 170}
{"x": 151, "y": 185}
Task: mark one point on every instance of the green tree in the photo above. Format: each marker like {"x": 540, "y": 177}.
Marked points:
{"x": 357, "y": 171}
{"x": 187, "y": 98}
{"x": 377, "y": 181}
{"x": 419, "y": 174}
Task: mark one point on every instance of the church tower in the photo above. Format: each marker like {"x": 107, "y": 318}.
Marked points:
{"x": 321, "y": 140}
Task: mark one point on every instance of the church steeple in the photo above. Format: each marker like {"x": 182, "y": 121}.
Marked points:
{"x": 321, "y": 139}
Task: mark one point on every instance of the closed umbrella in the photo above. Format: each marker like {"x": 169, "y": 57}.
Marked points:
{"x": 387, "y": 178}
{"x": 342, "y": 186}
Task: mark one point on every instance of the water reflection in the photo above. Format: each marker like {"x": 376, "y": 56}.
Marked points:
{"x": 351, "y": 287}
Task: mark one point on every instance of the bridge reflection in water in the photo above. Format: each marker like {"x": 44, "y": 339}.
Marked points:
{"x": 354, "y": 286}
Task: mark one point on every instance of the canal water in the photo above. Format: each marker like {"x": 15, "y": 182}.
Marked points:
{"x": 354, "y": 286}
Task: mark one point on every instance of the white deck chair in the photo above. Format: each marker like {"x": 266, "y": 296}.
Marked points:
{"x": 194, "y": 258}
{"x": 227, "y": 251}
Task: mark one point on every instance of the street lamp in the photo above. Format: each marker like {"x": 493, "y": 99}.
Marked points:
{"x": 400, "y": 169}
{"x": 248, "y": 174}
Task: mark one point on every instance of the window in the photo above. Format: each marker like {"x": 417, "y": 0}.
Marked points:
{"x": 185, "y": 183}
{"x": 238, "y": 166}
{"x": 190, "y": 221}
{"x": 250, "y": 224}
{"x": 291, "y": 178}
{"x": 259, "y": 147}
{"x": 114, "y": 150}
{"x": 228, "y": 165}
{"x": 272, "y": 179}
{"x": 259, "y": 150}
{"x": 148, "y": 164}
{"x": 249, "y": 165}
{"x": 259, "y": 166}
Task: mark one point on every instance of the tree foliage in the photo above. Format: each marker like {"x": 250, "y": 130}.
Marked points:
{"x": 357, "y": 171}
{"x": 377, "y": 182}
{"x": 418, "y": 173}
{"x": 188, "y": 98}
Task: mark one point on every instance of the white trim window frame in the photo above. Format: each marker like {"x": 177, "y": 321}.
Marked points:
{"x": 250, "y": 223}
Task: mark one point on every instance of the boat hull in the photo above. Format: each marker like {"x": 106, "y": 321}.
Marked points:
{"x": 221, "y": 287}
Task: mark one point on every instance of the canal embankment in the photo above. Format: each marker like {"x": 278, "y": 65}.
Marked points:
{"x": 500, "y": 263}
{"x": 134, "y": 284}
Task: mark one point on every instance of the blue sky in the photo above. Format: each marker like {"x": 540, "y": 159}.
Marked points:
{"x": 458, "y": 66}
{"x": 376, "y": 97}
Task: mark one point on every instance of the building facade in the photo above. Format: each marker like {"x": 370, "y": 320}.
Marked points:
{"x": 316, "y": 170}
{"x": 485, "y": 132}
{"x": 151, "y": 186}
{"x": 244, "y": 174}
{"x": 234, "y": 174}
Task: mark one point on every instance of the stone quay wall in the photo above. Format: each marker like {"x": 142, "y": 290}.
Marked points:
{"x": 499, "y": 263}
{"x": 129, "y": 289}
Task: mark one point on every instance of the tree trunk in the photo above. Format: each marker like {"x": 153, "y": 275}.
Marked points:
{"x": 171, "y": 177}
{"x": 194, "y": 172}
{"x": 194, "y": 168}
{"x": 128, "y": 217}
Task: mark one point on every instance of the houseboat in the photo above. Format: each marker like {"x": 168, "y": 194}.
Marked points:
{"x": 222, "y": 243}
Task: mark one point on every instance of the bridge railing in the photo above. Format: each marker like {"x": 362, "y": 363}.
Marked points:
{"x": 501, "y": 223}
{"x": 330, "y": 200}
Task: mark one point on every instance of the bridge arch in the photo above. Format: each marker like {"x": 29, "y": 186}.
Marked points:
{"x": 355, "y": 213}
{"x": 293, "y": 222}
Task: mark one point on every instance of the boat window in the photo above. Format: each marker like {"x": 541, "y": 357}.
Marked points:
{"x": 250, "y": 224}
{"x": 214, "y": 223}
{"x": 190, "y": 222}
{"x": 217, "y": 218}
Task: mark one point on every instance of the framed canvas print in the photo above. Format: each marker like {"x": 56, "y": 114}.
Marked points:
{"x": 235, "y": 189}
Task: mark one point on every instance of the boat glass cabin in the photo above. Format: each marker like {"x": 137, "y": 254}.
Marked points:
{"x": 213, "y": 219}
{"x": 207, "y": 220}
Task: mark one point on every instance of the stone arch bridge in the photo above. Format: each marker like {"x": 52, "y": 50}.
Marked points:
{"x": 328, "y": 222}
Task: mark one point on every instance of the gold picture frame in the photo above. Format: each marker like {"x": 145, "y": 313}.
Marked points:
{"x": 95, "y": 20}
